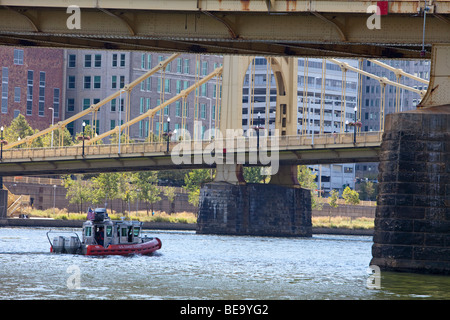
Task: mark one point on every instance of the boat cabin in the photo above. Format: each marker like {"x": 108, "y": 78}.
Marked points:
{"x": 103, "y": 231}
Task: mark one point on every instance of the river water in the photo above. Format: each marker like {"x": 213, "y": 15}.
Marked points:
{"x": 207, "y": 267}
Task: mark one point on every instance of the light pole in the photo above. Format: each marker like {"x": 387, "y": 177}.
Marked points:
{"x": 1, "y": 143}
{"x": 168, "y": 133}
{"x": 84, "y": 126}
{"x": 354, "y": 128}
{"x": 53, "y": 119}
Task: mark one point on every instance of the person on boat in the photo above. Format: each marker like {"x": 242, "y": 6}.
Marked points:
{"x": 99, "y": 236}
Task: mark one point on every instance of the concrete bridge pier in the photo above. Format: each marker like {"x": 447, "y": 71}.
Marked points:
{"x": 229, "y": 205}
{"x": 412, "y": 223}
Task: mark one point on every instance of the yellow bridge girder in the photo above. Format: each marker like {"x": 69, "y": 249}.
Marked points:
{"x": 321, "y": 28}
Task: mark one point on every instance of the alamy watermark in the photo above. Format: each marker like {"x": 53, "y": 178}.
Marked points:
{"x": 373, "y": 22}
{"x": 374, "y": 279}
{"x": 235, "y": 147}
{"x": 74, "y": 280}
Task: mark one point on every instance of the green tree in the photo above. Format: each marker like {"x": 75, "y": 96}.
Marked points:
{"x": 105, "y": 188}
{"x": 306, "y": 179}
{"x": 193, "y": 182}
{"x": 368, "y": 190}
{"x": 253, "y": 175}
{"x": 148, "y": 191}
{"x": 19, "y": 129}
{"x": 127, "y": 189}
{"x": 169, "y": 192}
{"x": 350, "y": 196}
{"x": 57, "y": 136}
{"x": 334, "y": 196}
{"x": 79, "y": 191}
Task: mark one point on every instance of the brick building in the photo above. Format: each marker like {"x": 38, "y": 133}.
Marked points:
{"x": 31, "y": 83}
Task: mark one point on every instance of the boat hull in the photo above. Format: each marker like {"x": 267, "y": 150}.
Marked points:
{"x": 143, "y": 248}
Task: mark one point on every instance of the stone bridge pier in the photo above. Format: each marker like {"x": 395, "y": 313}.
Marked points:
{"x": 229, "y": 205}
{"x": 412, "y": 223}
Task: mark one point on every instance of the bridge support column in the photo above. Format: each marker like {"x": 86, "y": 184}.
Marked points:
{"x": 412, "y": 223}
{"x": 254, "y": 209}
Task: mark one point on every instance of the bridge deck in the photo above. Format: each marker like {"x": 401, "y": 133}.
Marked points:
{"x": 325, "y": 148}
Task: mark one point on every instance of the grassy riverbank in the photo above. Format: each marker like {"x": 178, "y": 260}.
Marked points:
{"x": 189, "y": 217}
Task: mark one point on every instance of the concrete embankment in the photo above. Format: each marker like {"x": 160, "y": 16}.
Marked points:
{"x": 52, "y": 223}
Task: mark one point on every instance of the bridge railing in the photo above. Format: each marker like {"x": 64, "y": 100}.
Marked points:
{"x": 274, "y": 143}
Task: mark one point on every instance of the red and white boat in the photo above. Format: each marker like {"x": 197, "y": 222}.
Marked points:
{"x": 103, "y": 236}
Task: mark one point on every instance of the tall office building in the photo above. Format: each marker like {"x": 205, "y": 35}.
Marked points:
{"x": 94, "y": 75}
{"x": 32, "y": 83}
{"x": 335, "y": 176}
{"x": 371, "y": 99}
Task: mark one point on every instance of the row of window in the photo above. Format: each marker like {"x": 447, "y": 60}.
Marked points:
{"x": 95, "y": 60}
{"x": 30, "y": 83}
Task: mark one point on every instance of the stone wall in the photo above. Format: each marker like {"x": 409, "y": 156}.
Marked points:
{"x": 412, "y": 223}
{"x": 254, "y": 209}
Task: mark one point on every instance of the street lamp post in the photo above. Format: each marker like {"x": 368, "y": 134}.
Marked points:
{"x": 168, "y": 133}
{"x": 84, "y": 126}
{"x": 354, "y": 127}
{"x": 257, "y": 131}
{"x": 53, "y": 120}
{"x": 1, "y": 143}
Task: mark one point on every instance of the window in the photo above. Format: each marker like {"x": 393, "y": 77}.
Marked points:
{"x": 143, "y": 61}
{"x": 186, "y": 66}
{"x": 16, "y": 94}
{"x": 113, "y": 105}
{"x": 97, "y": 82}
{"x": 109, "y": 230}
{"x": 41, "y": 109}
{"x": 204, "y": 68}
{"x": 18, "y": 56}
{"x": 149, "y": 84}
{"x": 87, "y": 60}
{"x": 114, "y": 82}
{"x": 112, "y": 124}
{"x": 147, "y": 104}
{"x": 122, "y": 82}
{"x": 114, "y": 60}
{"x": 167, "y": 85}
{"x": 122, "y": 59}
{"x": 56, "y": 102}
{"x": 71, "y": 82}
{"x": 141, "y": 105}
{"x": 86, "y": 103}
{"x": 5, "y": 80}
{"x": 30, "y": 82}
{"x": 149, "y": 61}
{"x": 178, "y": 108}
{"x": 16, "y": 113}
{"x": 70, "y": 105}
{"x": 87, "y": 82}
{"x": 178, "y": 88}
{"x": 203, "y": 111}
{"x": 72, "y": 61}
{"x": 179, "y": 65}
{"x": 98, "y": 60}
{"x": 203, "y": 90}
{"x": 88, "y": 231}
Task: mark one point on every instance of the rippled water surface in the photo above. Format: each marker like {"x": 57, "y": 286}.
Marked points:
{"x": 191, "y": 266}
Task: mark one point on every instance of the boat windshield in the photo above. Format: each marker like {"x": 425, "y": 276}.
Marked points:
{"x": 136, "y": 231}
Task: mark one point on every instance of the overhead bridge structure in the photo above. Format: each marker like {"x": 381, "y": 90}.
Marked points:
{"x": 320, "y": 28}
{"x": 412, "y": 220}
